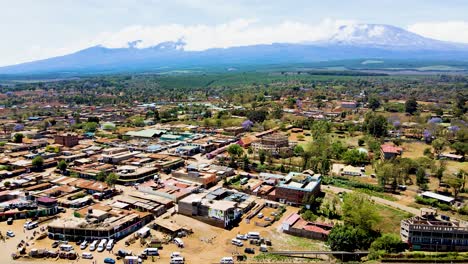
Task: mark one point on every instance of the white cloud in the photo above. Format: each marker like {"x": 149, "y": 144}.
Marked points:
{"x": 455, "y": 31}
{"x": 239, "y": 32}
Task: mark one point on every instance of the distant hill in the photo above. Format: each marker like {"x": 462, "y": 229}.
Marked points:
{"x": 364, "y": 41}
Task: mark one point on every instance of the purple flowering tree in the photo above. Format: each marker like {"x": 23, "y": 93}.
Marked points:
{"x": 247, "y": 125}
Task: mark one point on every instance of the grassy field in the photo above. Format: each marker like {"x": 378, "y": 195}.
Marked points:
{"x": 390, "y": 219}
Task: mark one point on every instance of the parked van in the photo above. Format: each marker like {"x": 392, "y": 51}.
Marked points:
{"x": 65, "y": 247}
{"x": 84, "y": 244}
{"x": 32, "y": 225}
{"x": 110, "y": 244}
{"x": 244, "y": 181}
{"x": 227, "y": 260}
{"x": 143, "y": 232}
{"x": 87, "y": 255}
{"x": 179, "y": 242}
{"x": 237, "y": 242}
{"x": 253, "y": 235}
{"x": 151, "y": 251}
{"x": 177, "y": 260}
{"x": 102, "y": 245}
{"x": 93, "y": 245}
{"x": 175, "y": 254}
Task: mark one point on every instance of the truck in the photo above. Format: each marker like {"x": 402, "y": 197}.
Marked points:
{"x": 143, "y": 232}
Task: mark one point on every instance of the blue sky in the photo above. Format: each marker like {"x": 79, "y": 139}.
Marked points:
{"x": 35, "y": 29}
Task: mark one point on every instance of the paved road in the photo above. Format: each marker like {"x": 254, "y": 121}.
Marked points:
{"x": 376, "y": 199}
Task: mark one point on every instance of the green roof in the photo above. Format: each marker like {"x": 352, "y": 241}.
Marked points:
{"x": 171, "y": 137}
{"x": 146, "y": 133}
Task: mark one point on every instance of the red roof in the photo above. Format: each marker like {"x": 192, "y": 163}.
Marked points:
{"x": 292, "y": 219}
{"x": 46, "y": 199}
{"x": 391, "y": 149}
{"x": 315, "y": 229}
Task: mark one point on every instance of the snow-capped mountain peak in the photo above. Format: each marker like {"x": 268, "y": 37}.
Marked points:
{"x": 378, "y": 35}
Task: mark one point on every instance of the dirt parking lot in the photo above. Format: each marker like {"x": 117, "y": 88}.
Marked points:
{"x": 208, "y": 244}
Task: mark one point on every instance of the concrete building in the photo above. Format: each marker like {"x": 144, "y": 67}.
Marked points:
{"x": 204, "y": 178}
{"x": 133, "y": 174}
{"x": 388, "y": 152}
{"x": 431, "y": 232}
{"x": 297, "y": 186}
{"x": 219, "y": 207}
{"x": 275, "y": 144}
{"x": 67, "y": 140}
{"x": 98, "y": 222}
{"x": 349, "y": 105}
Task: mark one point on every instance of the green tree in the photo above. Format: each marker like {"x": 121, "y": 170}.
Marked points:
{"x": 349, "y": 238}
{"x": 18, "y": 138}
{"x": 93, "y": 119}
{"x": 277, "y": 112}
{"x": 111, "y": 179}
{"x": 246, "y": 162}
{"x": 138, "y": 121}
{"x": 62, "y": 165}
{"x": 455, "y": 183}
{"x": 461, "y": 148}
{"x": 257, "y": 116}
{"x": 411, "y": 106}
{"x": 421, "y": 180}
{"x": 298, "y": 150}
{"x": 90, "y": 127}
{"x": 439, "y": 145}
{"x": 235, "y": 151}
{"x": 38, "y": 162}
{"x": 374, "y": 103}
{"x": 156, "y": 117}
{"x": 337, "y": 148}
{"x": 101, "y": 176}
{"x": 262, "y": 156}
{"x": 376, "y": 125}
{"x": 359, "y": 211}
{"x": 387, "y": 243}
{"x": 355, "y": 157}
{"x": 308, "y": 215}
{"x": 386, "y": 174}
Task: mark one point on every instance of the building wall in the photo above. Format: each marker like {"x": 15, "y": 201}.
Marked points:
{"x": 434, "y": 238}
{"x": 304, "y": 233}
{"x": 75, "y": 234}
{"x": 292, "y": 195}
{"x": 66, "y": 140}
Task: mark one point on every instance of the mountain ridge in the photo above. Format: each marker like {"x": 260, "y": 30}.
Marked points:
{"x": 360, "y": 41}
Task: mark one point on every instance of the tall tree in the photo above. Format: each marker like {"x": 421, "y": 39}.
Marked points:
{"x": 411, "y": 106}
{"x": 111, "y": 179}
{"x": 38, "y": 162}
{"x": 376, "y": 125}
{"x": 62, "y": 166}
{"x": 421, "y": 180}
{"x": 235, "y": 151}
{"x": 359, "y": 211}
{"x": 439, "y": 145}
{"x": 18, "y": 138}
{"x": 373, "y": 103}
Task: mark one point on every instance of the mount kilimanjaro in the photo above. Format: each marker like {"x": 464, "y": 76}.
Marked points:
{"x": 362, "y": 41}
